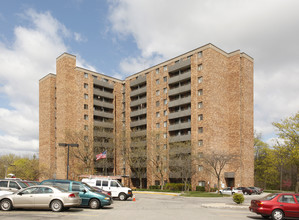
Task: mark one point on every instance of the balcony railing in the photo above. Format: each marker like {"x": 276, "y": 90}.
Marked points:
{"x": 138, "y": 112}
{"x": 180, "y": 89}
{"x": 103, "y": 114}
{"x": 103, "y": 84}
{"x": 138, "y": 123}
{"x": 179, "y": 138}
{"x": 138, "y": 101}
{"x": 179, "y": 126}
{"x": 138, "y": 133}
{"x": 103, "y": 104}
{"x": 179, "y": 114}
{"x": 103, "y": 93}
{"x": 138, "y": 91}
{"x": 139, "y": 80}
{"x": 103, "y": 124}
{"x": 180, "y": 77}
{"x": 180, "y": 101}
{"x": 179, "y": 65}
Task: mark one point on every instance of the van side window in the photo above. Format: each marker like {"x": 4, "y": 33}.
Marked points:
{"x": 105, "y": 183}
{"x": 98, "y": 183}
{"x": 76, "y": 187}
{"x": 113, "y": 184}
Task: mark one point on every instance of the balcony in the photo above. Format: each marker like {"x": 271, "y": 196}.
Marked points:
{"x": 138, "y": 91}
{"x": 103, "y": 124}
{"x": 138, "y": 133}
{"x": 103, "y": 104}
{"x": 138, "y": 101}
{"x": 180, "y": 77}
{"x": 180, "y": 89}
{"x": 138, "y": 123}
{"x": 181, "y": 101}
{"x": 103, "y": 93}
{"x": 103, "y": 114}
{"x": 179, "y": 126}
{"x": 138, "y": 112}
{"x": 102, "y": 83}
{"x": 179, "y": 65}
{"x": 139, "y": 80}
{"x": 103, "y": 134}
{"x": 179, "y": 114}
{"x": 138, "y": 143}
{"x": 180, "y": 138}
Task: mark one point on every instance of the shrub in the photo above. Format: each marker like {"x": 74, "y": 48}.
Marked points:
{"x": 200, "y": 188}
{"x": 238, "y": 198}
{"x": 176, "y": 186}
{"x": 155, "y": 187}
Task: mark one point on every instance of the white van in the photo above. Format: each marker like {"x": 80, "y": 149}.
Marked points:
{"x": 114, "y": 186}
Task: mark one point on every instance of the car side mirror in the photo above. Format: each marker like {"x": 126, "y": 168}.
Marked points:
{"x": 20, "y": 193}
{"x": 84, "y": 191}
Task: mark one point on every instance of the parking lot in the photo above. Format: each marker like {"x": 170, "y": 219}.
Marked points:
{"x": 146, "y": 206}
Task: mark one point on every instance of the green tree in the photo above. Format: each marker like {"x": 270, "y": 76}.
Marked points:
{"x": 288, "y": 132}
{"x": 6, "y": 161}
{"x": 25, "y": 168}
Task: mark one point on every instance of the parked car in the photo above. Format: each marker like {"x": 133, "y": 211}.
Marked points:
{"x": 230, "y": 191}
{"x": 12, "y": 185}
{"x": 116, "y": 188}
{"x": 256, "y": 190}
{"x": 4, "y": 192}
{"x": 40, "y": 197}
{"x": 277, "y": 205}
{"x": 245, "y": 190}
{"x": 90, "y": 197}
{"x": 101, "y": 190}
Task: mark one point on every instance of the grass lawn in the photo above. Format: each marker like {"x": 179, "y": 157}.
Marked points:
{"x": 202, "y": 194}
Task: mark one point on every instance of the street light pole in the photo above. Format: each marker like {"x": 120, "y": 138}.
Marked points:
{"x": 68, "y": 155}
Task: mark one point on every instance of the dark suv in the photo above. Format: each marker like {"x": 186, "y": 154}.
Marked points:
{"x": 11, "y": 185}
{"x": 246, "y": 190}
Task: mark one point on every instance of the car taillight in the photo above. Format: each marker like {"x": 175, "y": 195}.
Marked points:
{"x": 260, "y": 204}
{"x": 72, "y": 195}
{"x": 109, "y": 193}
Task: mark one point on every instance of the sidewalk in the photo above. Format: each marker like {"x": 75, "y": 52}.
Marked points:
{"x": 158, "y": 193}
{"x": 226, "y": 205}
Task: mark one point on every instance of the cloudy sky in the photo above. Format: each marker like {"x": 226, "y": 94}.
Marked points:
{"x": 119, "y": 38}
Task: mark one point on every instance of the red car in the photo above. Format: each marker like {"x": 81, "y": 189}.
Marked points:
{"x": 277, "y": 205}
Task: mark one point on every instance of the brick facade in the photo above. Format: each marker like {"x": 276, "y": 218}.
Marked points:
{"x": 163, "y": 104}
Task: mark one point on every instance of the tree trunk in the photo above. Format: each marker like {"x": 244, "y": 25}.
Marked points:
{"x": 140, "y": 182}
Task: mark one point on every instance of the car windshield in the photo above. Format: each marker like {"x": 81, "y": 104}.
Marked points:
{"x": 120, "y": 183}
{"x": 269, "y": 197}
{"x": 90, "y": 188}
{"x": 23, "y": 185}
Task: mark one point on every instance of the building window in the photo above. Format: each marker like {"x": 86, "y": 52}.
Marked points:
{"x": 95, "y": 77}
{"x": 157, "y": 92}
{"x": 157, "y": 71}
{"x": 85, "y": 127}
{"x": 202, "y": 183}
{"x": 199, "y": 54}
{"x": 85, "y": 86}
{"x": 104, "y": 80}
{"x": 165, "y": 146}
{"x": 165, "y": 101}
{"x": 157, "y": 103}
{"x": 157, "y": 136}
{"x": 85, "y": 106}
{"x": 200, "y": 117}
{"x": 86, "y": 117}
{"x": 200, "y": 79}
{"x": 200, "y": 92}
{"x": 85, "y": 75}
{"x": 165, "y": 79}
{"x": 165, "y": 90}
{"x": 85, "y": 138}
{"x": 157, "y": 114}
{"x": 189, "y": 57}
{"x": 85, "y": 96}
{"x": 200, "y": 168}
{"x": 165, "y": 112}
{"x": 157, "y": 81}
{"x": 200, "y": 143}
{"x": 165, "y": 124}
{"x": 200, "y": 105}
{"x": 200, "y": 130}
{"x": 165, "y": 135}
{"x": 199, "y": 67}
{"x": 157, "y": 125}
{"x": 177, "y": 61}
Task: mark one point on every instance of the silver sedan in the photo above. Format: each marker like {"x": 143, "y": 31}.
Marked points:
{"x": 41, "y": 197}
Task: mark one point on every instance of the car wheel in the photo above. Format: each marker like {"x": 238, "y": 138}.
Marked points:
{"x": 277, "y": 214}
{"x": 56, "y": 206}
{"x": 94, "y": 204}
{"x": 233, "y": 193}
{"x": 245, "y": 193}
{"x": 265, "y": 216}
{"x": 122, "y": 197}
{"x": 6, "y": 205}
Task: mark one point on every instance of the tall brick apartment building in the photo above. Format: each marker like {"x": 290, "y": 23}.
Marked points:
{"x": 201, "y": 100}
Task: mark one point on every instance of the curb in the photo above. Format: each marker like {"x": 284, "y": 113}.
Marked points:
{"x": 225, "y": 205}
{"x": 157, "y": 193}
